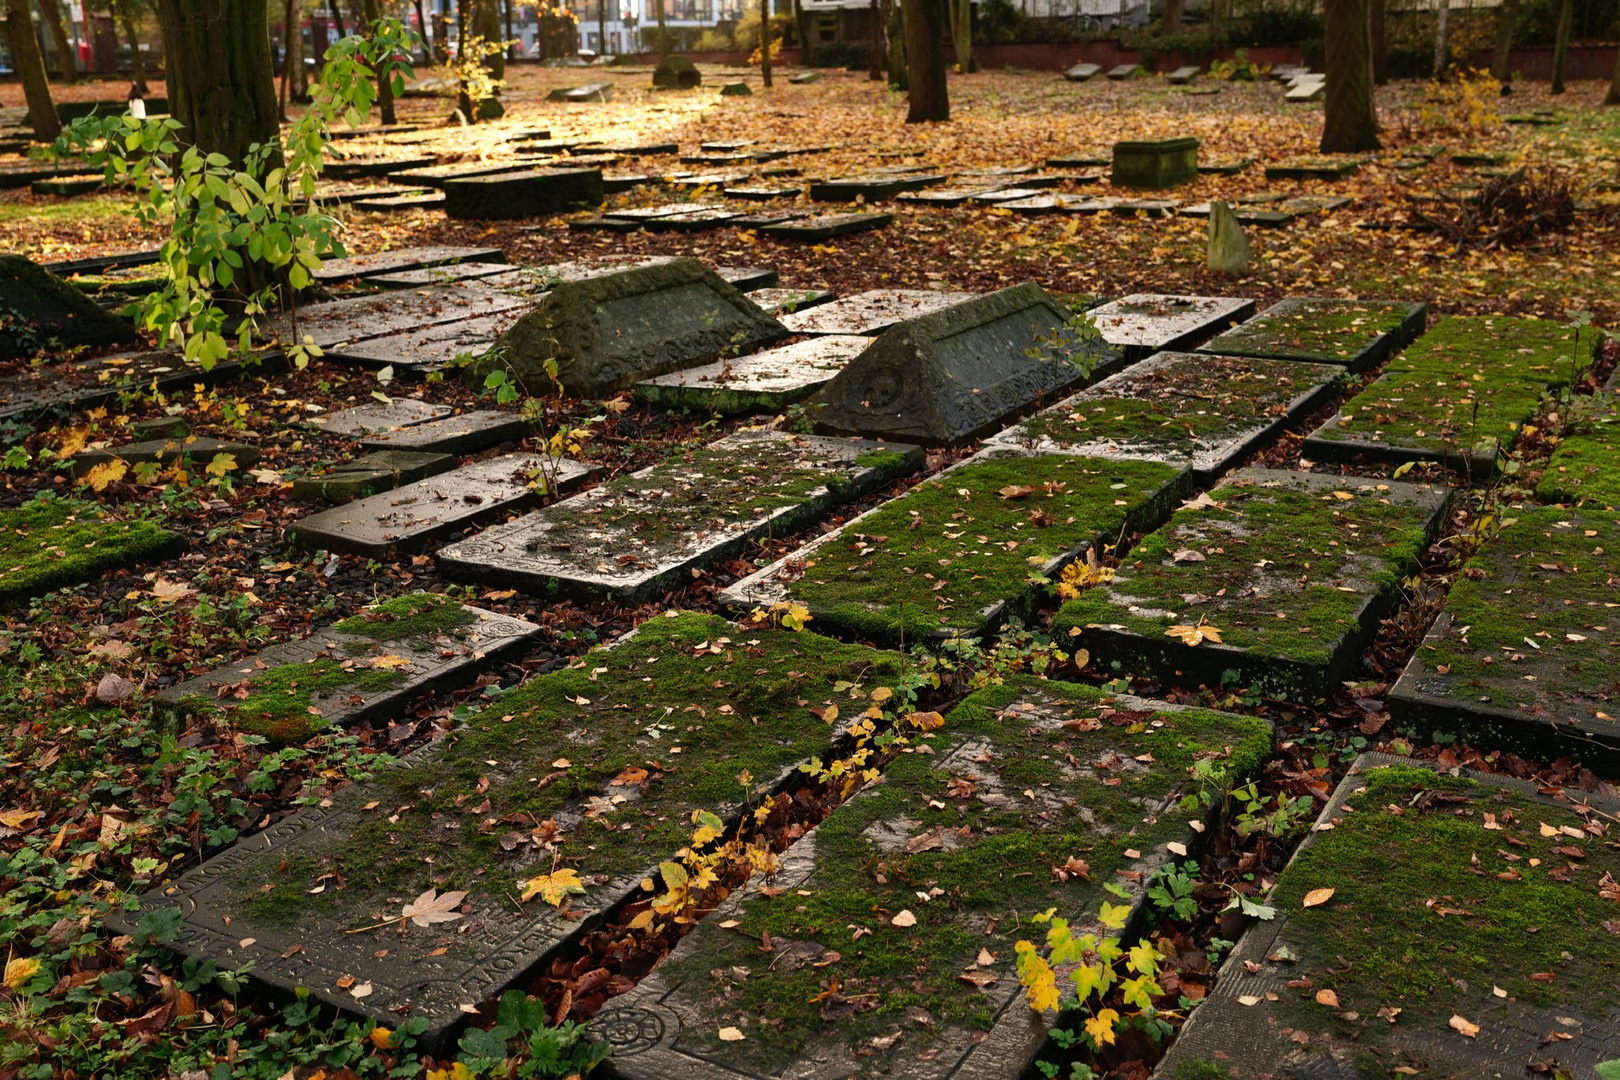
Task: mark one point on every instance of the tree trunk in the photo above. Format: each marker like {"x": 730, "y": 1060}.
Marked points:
{"x": 137, "y": 62}
{"x": 801, "y": 22}
{"x": 961, "y": 13}
{"x": 222, "y": 85}
{"x": 511, "y": 50}
{"x": 876, "y": 70}
{"x": 1442, "y": 37}
{"x": 1507, "y": 23}
{"x": 765, "y": 40}
{"x": 925, "y": 50}
{"x": 663, "y": 33}
{"x": 1378, "y": 32}
{"x": 30, "y": 65}
{"x": 1566, "y": 18}
{"x": 1173, "y": 10}
{"x": 1613, "y": 96}
{"x": 292, "y": 49}
{"x": 463, "y": 99}
{"x": 601, "y": 27}
{"x": 427, "y": 34}
{"x": 385, "y": 83}
{"x": 487, "y": 24}
{"x": 899, "y": 68}
{"x": 67, "y": 64}
{"x": 1350, "y": 124}
{"x": 337, "y": 20}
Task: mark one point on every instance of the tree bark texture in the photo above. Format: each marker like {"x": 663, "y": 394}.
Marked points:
{"x": 67, "y": 63}
{"x": 961, "y": 12}
{"x": 292, "y": 50}
{"x": 385, "y": 86}
{"x": 1613, "y": 96}
{"x": 875, "y": 67}
{"x": 136, "y": 61}
{"x": 899, "y": 69}
{"x": 663, "y": 31}
{"x": 1349, "y": 123}
{"x": 765, "y": 40}
{"x": 1173, "y": 11}
{"x": 487, "y": 24}
{"x": 506, "y": 10}
{"x": 30, "y": 65}
{"x": 925, "y": 53}
{"x": 1507, "y": 24}
{"x": 801, "y": 24}
{"x": 426, "y": 32}
{"x": 1566, "y": 19}
{"x": 601, "y": 27}
{"x": 221, "y": 77}
{"x": 1378, "y": 31}
{"x": 1442, "y": 37}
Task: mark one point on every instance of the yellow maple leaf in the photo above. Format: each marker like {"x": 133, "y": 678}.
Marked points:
{"x": 390, "y": 662}
{"x": 1193, "y": 635}
{"x": 107, "y": 472}
{"x": 1101, "y": 1026}
{"x": 553, "y": 887}
{"x": 19, "y": 970}
{"x": 222, "y": 464}
{"x": 73, "y": 440}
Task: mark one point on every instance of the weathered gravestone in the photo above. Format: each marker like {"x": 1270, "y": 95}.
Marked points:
{"x": 962, "y": 372}
{"x": 825, "y": 226}
{"x": 396, "y": 203}
{"x": 943, "y": 197}
{"x": 736, "y": 89}
{"x": 439, "y": 275}
{"x": 804, "y": 78}
{"x": 432, "y": 348}
{"x": 436, "y": 176}
{"x": 928, "y": 987}
{"x": 67, "y": 187}
{"x": 382, "y": 262}
{"x": 534, "y": 193}
{"x": 1145, "y": 323}
{"x": 1182, "y": 75}
{"x": 695, "y": 221}
{"x": 1313, "y": 168}
{"x": 871, "y": 312}
{"x": 1121, "y": 72}
{"x": 1207, "y": 412}
{"x": 38, "y": 310}
{"x": 83, "y": 384}
{"x": 357, "y": 168}
{"x": 1279, "y": 577}
{"x": 640, "y": 535}
{"x": 1355, "y": 333}
{"x": 1155, "y": 163}
{"x": 376, "y": 315}
{"x": 1226, "y": 250}
{"x": 1466, "y": 931}
{"x": 365, "y": 668}
{"x": 676, "y": 72}
{"x": 609, "y": 332}
{"x": 1060, "y": 204}
{"x": 195, "y": 451}
{"x": 760, "y": 193}
{"x": 873, "y": 188}
{"x": 1460, "y": 395}
{"x": 374, "y": 417}
{"x": 370, "y": 474}
{"x": 411, "y": 516}
{"x": 622, "y": 763}
{"x": 462, "y": 434}
{"x": 1082, "y": 72}
{"x": 766, "y": 381}
{"x": 776, "y": 301}
{"x": 955, "y": 555}
{"x": 1524, "y": 653}
{"x": 50, "y": 543}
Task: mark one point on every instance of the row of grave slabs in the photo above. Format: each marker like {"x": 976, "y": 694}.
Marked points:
{"x": 913, "y": 984}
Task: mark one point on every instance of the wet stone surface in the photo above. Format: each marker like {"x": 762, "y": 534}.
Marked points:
{"x": 870, "y": 312}
{"x": 765, "y": 381}
{"x": 360, "y": 318}
{"x": 431, "y": 348}
{"x": 1464, "y": 936}
{"x": 1358, "y": 334}
{"x": 847, "y": 988}
{"x": 1144, "y": 323}
{"x": 370, "y": 474}
{"x": 381, "y": 262}
{"x": 1280, "y": 577}
{"x": 462, "y": 434}
{"x": 376, "y": 417}
{"x": 642, "y": 534}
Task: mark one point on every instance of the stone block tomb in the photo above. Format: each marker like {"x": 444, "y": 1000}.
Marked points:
{"x": 1155, "y": 163}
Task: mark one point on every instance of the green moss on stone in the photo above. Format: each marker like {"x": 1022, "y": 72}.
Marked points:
{"x": 408, "y": 618}
{"x": 280, "y": 699}
{"x": 880, "y": 459}
{"x": 1585, "y": 469}
{"x": 50, "y": 543}
{"x": 1305, "y": 329}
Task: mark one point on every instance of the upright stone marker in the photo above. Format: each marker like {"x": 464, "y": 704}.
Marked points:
{"x": 954, "y": 375}
{"x": 44, "y": 312}
{"x": 676, "y": 72}
{"x": 1155, "y": 163}
{"x": 1356, "y": 334}
{"x": 1145, "y": 323}
{"x": 638, "y": 536}
{"x": 933, "y": 992}
{"x": 1227, "y": 250}
{"x": 610, "y": 332}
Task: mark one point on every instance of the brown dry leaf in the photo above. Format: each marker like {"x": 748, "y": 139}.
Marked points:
{"x": 1328, "y": 998}
{"x": 731, "y": 1034}
{"x": 113, "y": 688}
{"x": 1317, "y": 897}
{"x": 904, "y": 919}
{"x": 73, "y": 440}
{"x": 981, "y": 979}
{"x": 163, "y": 590}
{"x": 430, "y": 908}
{"x": 630, "y": 777}
{"x": 1186, "y": 555}
{"x": 1389, "y": 1012}
{"x": 1467, "y": 1027}
{"x": 19, "y": 819}
{"x": 390, "y": 662}
{"x": 1015, "y": 491}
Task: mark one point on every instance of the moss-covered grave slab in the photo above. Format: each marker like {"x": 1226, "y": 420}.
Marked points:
{"x": 464, "y": 433}
{"x": 38, "y": 310}
{"x": 1355, "y": 333}
{"x": 962, "y": 833}
{"x": 765, "y": 381}
{"x": 370, "y": 474}
{"x": 411, "y": 516}
{"x": 50, "y": 543}
{"x": 1585, "y": 469}
{"x": 871, "y": 312}
{"x": 1468, "y": 932}
{"x": 639, "y": 535}
{"x": 1206, "y": 412}
{"x": 594, "y": 769}
{"x": 1144, "y": 323}
{"x": 1459, "y": 395}
{"x": 359, "y": 318}
{"x": 966, "y": 549}
{"x": 383, "y": 262}
{"x": 1525, "y": 654}
{"x": 368, "y": 667}
{"x": 1278, "y": 577}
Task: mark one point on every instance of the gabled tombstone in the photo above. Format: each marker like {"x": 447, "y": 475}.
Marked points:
{"x": 609, "y": 332}
{"x": 40, "y": 310}
{"x": 961, "y": 372}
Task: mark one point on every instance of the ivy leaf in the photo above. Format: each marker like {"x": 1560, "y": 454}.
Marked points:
{"x": 429, "y": 908}
{"x": 554, "y": 887}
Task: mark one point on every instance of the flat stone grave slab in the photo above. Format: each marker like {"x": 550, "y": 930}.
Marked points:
{"x": 371, "y": 474}
{"x": 26, "y": 174}
{"x": 1311, "y": 90}
{"x": 960, "y": 373}
{"x": 930, "y": 990}
{"x": 83, "y": 384}
{"x": 871, "y": 312}
{"x": 1082, "y": 72}
{"x": 385, "y": 262}
{"x": 784, "y": 301}
{"x": 396, "y": 203}
{"x": 760, "y": 194}
{"x": 1144, "y": 323}
{"x": 374, "y": 315}
{"x": 44, "y": 312}
{"x": 1124, "y": 71}
{"x": 873, "y": 188}
{"x": 1080, "y": 159}
{"x": 697, "y": 221}
{"x": 357, "y": 167}
{"x": 365, "y": 668}
{"x": 1246, "y": 215}
{"x": 411, "y": 516}
{"x": 1060, "y": 204}
{"x": 1280, "y": 577}
{"x": 957, "y": 554}
{"x": 618, "y": 183}
{"x": 347, "y": 194}
{"x": 944, "y": 197}
{"x": 439, "y": 275}
{"x": 598, "y": 223}
{"x": 1585, "y": 469}
{"x": 1205, "y": 412}
{"x": 610, "y": 332}
{"x": 640, "y": 535}
{"x": 1224, "y": 167}
{"x": 1355, "y": 333}
{"x": 1152, "y": 208}
{"x": 462, "y": 434}
{"x": 804, "y": 78}
{"x": 432, "y": 348}
{"x": 590, "y": 92}
{"x": 644, "y": 213}
{"x": 1313, "y": 204}
{"x": 1449, "y": 945}
{"x": 1154, "y": 163}
{"x": 749, "y": 279}
{"x": 51, "y": 543}
{"x": 642, "y": 149}
{"x": 165, "y": 453}
{"x": 66, "y": 187}
{"x": 766, "y": 381}
{"x": 534, "y": 193}
{"x": 606, "y": 727}
{"x": 1182, "y": 75}
{"x": 717, "y": 180}
{"x": 769, "y": 217}
{"x": 1525, "y": 652}
{"x": 826, "y": 226}
{"x": 1004, "y": 195}
{"x": 1308, "y": 168}
{"x": 1460, "y": 395}
{"x": 532, "y": 281}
